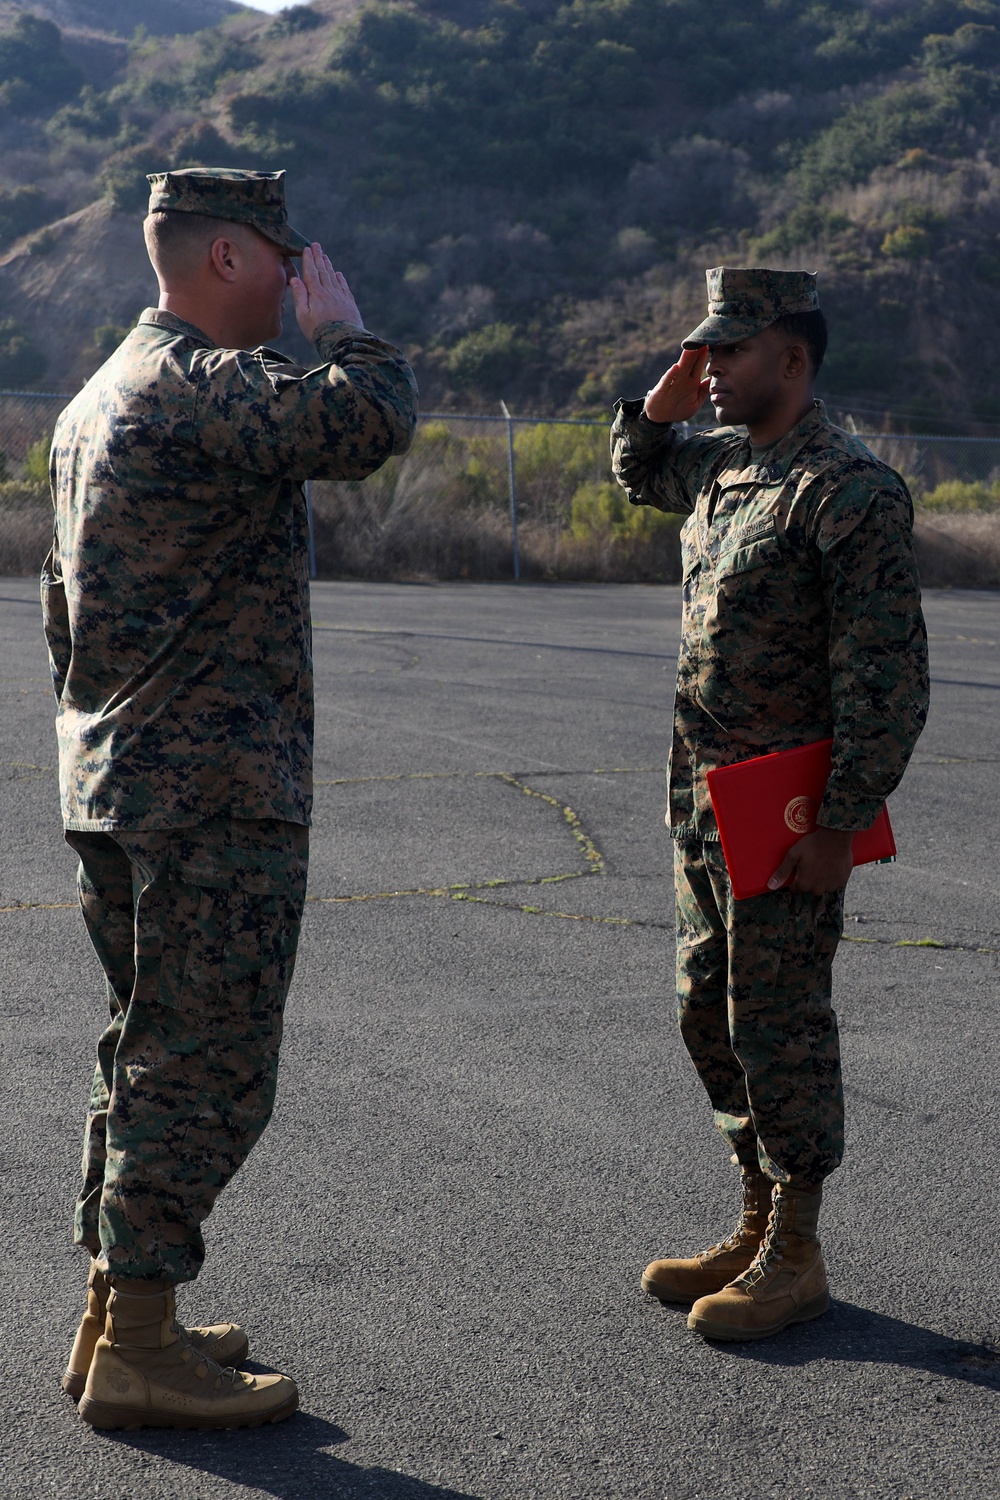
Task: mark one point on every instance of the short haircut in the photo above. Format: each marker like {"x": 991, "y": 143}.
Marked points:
{"x": 177, "y": 242}
{"x": 807, "y": 328}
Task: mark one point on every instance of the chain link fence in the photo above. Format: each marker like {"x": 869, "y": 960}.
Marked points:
{"x": 26, "y": 422}
{"x": 492, "y": 497}
{"x": 499, "y": 496}
{"x": 927, "y": 460}
{"x": 25, "y": 418}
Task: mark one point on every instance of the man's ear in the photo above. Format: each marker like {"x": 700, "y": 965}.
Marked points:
{"x": 796, "y": 361}
{"x": 223, "y": 255}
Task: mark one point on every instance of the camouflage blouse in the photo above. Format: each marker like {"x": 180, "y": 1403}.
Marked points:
{"x": 801, "y": 607}
{"x": 176, "y": 595}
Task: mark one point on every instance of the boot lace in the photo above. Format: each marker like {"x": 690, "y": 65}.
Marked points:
{"x": 223, "y": 1373}
{"x": 772, "y": 1247}
{"x": 750, "y": 1187}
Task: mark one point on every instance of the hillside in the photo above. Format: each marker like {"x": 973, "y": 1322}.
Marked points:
{"x": 122, "y": 17}
{"x": 526, "y": 194}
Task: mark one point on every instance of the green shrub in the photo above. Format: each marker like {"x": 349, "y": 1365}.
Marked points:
{"x": 907, "y": 242}
{"x": 560, "y": 454}
{"x": 219, "y": 53}
{"x": 602, "y": 507}
{"x": 106, "y": 337}
{"x": 34, "y": 71}
{"x": 971, "y": 43}
{"x": 260, "y": 120}
{"x": 21, "y": 361}
{"x": 484, "y": 360}
{"x": 597, "y": 507}
{"x": 123, "y": 178}
{"x": 806, "y": 222}
{"x": 988, "y": 269}
{"x": 42, "y": 242}
{"x": 295, "y": 18}
{"x": 35, "y": 464}
{"x": 20, "y": 494}
{"x": 201, "y": 145}
{"x": 923, "y": 215}
{"x": 936, "y": 111}
{"x": 92, "y": 115}
{"x": 22, "y": 209}
{"x": 854, "y": 364}
{"x": 960, "y": 495}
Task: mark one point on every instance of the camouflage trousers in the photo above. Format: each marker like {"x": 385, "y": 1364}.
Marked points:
{"x": 754, "y": 982}
{"x": 196, "y": 930}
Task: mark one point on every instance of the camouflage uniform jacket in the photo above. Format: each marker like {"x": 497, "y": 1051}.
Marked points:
{"x": 801, "y": 607}
{"x": 176, "y": 595}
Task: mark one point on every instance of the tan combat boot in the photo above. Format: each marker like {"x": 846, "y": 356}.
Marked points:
{"x": 686, "y": 1280}
{"x": 226, "y": 1343}
{"x": 145, "y": 1373}
{"x": 786, "y": 1283}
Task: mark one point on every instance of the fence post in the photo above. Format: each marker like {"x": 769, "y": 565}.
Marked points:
{"x": 307, "y": 490}
{"x": 512, "y": 484}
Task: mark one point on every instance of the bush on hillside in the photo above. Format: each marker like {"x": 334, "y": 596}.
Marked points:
{"x": 487, "y": 361}
{"x": 201, "y": 145}
{"x": 123, "y": 177}
{"x": 294, "y": 19}
{"x": 935, "y": 112}
{"x": 22, "y": 363}
{"x": 526, "y": 195}
{"x": 218, "y": 54}
{"x": 907, "y": 242}
{"x": 35, "y": 74}
{"x": 93, "y": 115}
{"x": 23, "y": 209}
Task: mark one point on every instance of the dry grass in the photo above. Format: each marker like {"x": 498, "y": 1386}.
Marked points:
{"x": 360, "y": 535}
{"x": 364, "y": 531}
{"x": 25, "y": 537}
{"x": 357, "y": 540}
{"x": 958, "y": 551}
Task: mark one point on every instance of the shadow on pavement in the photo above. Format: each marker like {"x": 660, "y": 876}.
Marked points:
{"x": 856, "y": 1335}
{"x": 286, "y": 1461}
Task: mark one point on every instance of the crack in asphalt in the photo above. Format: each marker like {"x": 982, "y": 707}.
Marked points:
{"x": 593, "y": 862}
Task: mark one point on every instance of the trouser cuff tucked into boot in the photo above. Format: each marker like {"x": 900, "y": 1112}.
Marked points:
{"x": 226, "y": 1343}
{"x": 785, "y": 1284}
{"x": 684, "y": 1280}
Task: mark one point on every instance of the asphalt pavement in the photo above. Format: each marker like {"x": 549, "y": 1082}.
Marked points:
{"x": 486, "y": 1123}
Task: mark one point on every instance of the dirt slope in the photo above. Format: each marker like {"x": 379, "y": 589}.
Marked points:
{"x": 62, "y": 294}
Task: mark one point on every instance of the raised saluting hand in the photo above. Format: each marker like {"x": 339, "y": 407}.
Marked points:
{"x": 321, "y": 294}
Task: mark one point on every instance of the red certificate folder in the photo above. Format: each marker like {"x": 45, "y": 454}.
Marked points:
{"x": 765, "y": 805}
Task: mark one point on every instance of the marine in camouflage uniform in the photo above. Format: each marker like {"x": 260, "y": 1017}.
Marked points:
{"x": 176, "y": 604}
{"x": 801, "y": 621}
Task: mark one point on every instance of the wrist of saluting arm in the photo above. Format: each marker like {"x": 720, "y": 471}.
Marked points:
{"x": 333, "y": 332}
{"x": 632, "y": 431}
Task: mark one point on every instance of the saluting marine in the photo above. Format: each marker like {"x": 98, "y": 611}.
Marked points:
{"x": 176, "y": 602}
{"x": 801, "y": 621}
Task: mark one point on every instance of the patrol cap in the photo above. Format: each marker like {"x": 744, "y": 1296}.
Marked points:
{"x": 744, "y": 302}
{"x": 255, "y": 198}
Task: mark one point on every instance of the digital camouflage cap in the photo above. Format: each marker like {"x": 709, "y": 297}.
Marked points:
{"x": 255, "y": 198}
{"x": 744, "y": 302}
